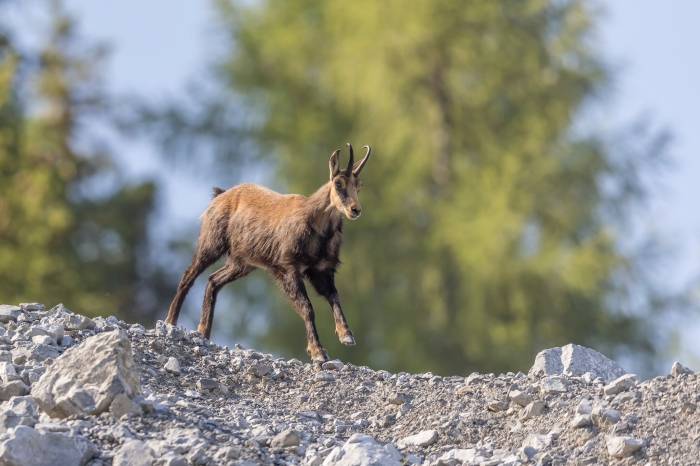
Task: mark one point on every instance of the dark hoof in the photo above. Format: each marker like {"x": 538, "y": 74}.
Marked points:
{"x": 319, "y": 357}
{"x": 347, "y": 340}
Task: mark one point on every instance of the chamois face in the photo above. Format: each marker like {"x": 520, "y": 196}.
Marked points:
{"x": 344, "y": 195}
{"x": 345, "y": 184}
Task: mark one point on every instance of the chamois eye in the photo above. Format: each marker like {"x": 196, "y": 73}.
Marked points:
{"x": 338, "y": 185}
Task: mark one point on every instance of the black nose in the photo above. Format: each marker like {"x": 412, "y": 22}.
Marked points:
{"x": 355, "y": 211}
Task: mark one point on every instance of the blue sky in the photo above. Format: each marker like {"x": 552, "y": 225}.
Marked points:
{"x": 654, "y": 47}
{"x": 159, "y": 46}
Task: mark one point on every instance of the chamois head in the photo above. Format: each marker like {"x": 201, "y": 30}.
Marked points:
{"x": 345, "y": 184}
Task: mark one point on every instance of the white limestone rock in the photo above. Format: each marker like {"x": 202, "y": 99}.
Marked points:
{"x": 25, "y": 446}
{"x": 9, "y": 313}
{"x": 679, "y": 369}
{"x": 575, "y": 360}
{"x": 286, "y": 438}
{"x": 18, "y": 411}
{"x": 134, "y": 453}
{"x": 621, "y": 384}
{"x": 622, "y": 446}
{"x": 13, "y": 388}
{"x": 421, "y": 439}
{"x": 87, "y": 377}
{"x": 363, "y": 450}
{"x": 172, "y": 366}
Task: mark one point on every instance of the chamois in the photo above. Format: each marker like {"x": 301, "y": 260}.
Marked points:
{"x": 291, "y": 236}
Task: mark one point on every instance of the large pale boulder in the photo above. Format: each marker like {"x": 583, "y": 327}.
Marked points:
{"x": 363, "y": 450}
{"x": 86, "y": 378}
{"x": 24, "y": 446}
{"x": 575, "y": 360}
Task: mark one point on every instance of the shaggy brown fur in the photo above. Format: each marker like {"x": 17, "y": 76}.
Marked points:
{"x": 291, "y": 236}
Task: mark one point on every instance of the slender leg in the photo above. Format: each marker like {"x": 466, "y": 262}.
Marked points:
{"x": 292, "y": 283}
{"x": 193, "y": 271}
{"x": 226, "y": 274}
{"x": 211, "y": 245}
{"x": 323, "y": 282}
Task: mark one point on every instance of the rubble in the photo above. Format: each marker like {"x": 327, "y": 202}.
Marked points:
{"x": 99, "y": 391}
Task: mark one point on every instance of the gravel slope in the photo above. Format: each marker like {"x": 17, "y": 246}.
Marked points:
{"x": 194, "y": 402}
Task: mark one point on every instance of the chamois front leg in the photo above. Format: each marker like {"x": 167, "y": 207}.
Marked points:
{"x": 324, "y": 284}
{"x": 292, "y": 283}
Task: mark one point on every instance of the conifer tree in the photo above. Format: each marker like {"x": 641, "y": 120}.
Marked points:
{"x": 71, "y": 228}
{"x": 492, "y": 227}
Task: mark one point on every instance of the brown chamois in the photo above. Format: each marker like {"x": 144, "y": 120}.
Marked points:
{"x": 291, "y": 236}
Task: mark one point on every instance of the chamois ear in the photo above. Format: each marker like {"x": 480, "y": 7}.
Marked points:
{"x": 334, "y": 163}
{"x": 358, "y": 168}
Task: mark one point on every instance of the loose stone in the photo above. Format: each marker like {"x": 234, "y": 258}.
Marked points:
{"x": 286, "y": 438}
{"x": 534, "y": 409}
{"x": 421, "y": 439}
{"x": 679, "y": 369}
{"x": 620, "y": 384}
{"x": 172, "y": 365}
{"x": 520, "y": 398}
{"x": 620, "y": 447}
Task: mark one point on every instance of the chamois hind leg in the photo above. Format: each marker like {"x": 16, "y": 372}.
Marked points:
{"x": 226, "y": 274}
{"x": 193, "y": 271}
{"x": 323, "y": 282}
{"x": 292, "y": 283}
{"x": 210, "y": 246}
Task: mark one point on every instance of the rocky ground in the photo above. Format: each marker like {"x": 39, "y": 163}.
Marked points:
{"x": 100, "y": 391}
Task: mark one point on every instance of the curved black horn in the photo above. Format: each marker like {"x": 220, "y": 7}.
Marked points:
{"x": 362, "y": 162}
{"x": 352, "y": 159}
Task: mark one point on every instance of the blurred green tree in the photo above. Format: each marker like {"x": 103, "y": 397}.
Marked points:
{"x": 492, "y": 220}
{"x": 71, "y": 229}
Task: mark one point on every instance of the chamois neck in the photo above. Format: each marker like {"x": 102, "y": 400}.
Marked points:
{"x": 320, "y": 208}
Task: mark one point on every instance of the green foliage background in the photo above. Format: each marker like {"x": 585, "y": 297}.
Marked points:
{"x": 71, "y": 228}
{"x": 491, "y": 227}
{"x": 495, "y": 215}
